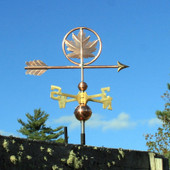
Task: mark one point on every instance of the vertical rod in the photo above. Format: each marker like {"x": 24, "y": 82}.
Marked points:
{"x": 82, "y": 132}
{"x": 82, "y": 80}
{"x": 82, "y": 73}
{"x": 81, "y": 55}
{"x": 65, "y": 135}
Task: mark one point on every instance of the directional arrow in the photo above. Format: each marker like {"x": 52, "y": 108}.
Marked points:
{"x": 37, "y": 67}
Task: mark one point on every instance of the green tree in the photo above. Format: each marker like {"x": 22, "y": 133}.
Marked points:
{"x": 36, "y": 127}
{"x": 160, "y": 141}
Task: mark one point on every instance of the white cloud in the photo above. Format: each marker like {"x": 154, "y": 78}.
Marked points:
{"x": 154, "y": 121}
{"x": 122, "y": 121}
{"x": 71, "y": 120}
{"x": 150, "y": 122}
{"x": 2, "y": 132}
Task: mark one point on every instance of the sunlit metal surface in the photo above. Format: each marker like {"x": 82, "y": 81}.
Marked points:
{"x": 81, "y": 44}
{"x": 38, "y": 70}
{"x": 83, "y": 112}
{"x": 82, "y": 98}
{"x": 82, "y": 86}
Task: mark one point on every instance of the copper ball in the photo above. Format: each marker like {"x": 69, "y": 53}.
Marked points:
{"x": 83, "y": 112}
{"x": 82, "y": 86}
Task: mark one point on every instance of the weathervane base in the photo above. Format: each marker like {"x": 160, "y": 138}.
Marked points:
{"x": 82, "y": 138}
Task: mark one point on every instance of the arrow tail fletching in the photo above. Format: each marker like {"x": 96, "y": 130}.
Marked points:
{"x": 35, "y": 63}
{"x": 35, "y": 71}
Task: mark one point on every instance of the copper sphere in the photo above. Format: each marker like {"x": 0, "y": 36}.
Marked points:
{"x": 83, "y": 112}
{"x": 82, "y": 86}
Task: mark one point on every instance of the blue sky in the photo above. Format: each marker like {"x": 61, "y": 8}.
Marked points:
{"x": 136, "y": 33}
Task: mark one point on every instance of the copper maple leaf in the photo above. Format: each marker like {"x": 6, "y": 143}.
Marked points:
{"x": 81, "y": 41}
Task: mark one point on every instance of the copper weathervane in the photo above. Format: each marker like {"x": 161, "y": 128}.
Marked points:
{"x": 81, "y": 52}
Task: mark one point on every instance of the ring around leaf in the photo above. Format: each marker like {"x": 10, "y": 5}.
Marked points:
{"x": 81, "y": 46}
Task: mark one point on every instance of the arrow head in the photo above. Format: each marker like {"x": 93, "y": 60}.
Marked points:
{"x": 121, "y": 66}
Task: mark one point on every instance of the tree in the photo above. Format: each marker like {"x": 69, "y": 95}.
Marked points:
{"x": 160, "y": 141}
{"x": 36, "y": 127}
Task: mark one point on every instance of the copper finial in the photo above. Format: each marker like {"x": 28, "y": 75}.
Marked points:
{"x": 82, "y": 86}
{"x": 83, "y": 112}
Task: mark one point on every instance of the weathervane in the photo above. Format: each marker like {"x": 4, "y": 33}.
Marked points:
{"x": 81, "y": 49}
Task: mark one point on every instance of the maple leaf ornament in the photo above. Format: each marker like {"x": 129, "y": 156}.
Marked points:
{"x": 81, "y": 46}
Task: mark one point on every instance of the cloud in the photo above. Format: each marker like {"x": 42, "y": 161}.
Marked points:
{"x": 122, "y": 121}
{"x": 71, "y": 120}
{"x": 154, "y": 121}
{"x": 150, "y": 122}
{"x": 2, "y": 132}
